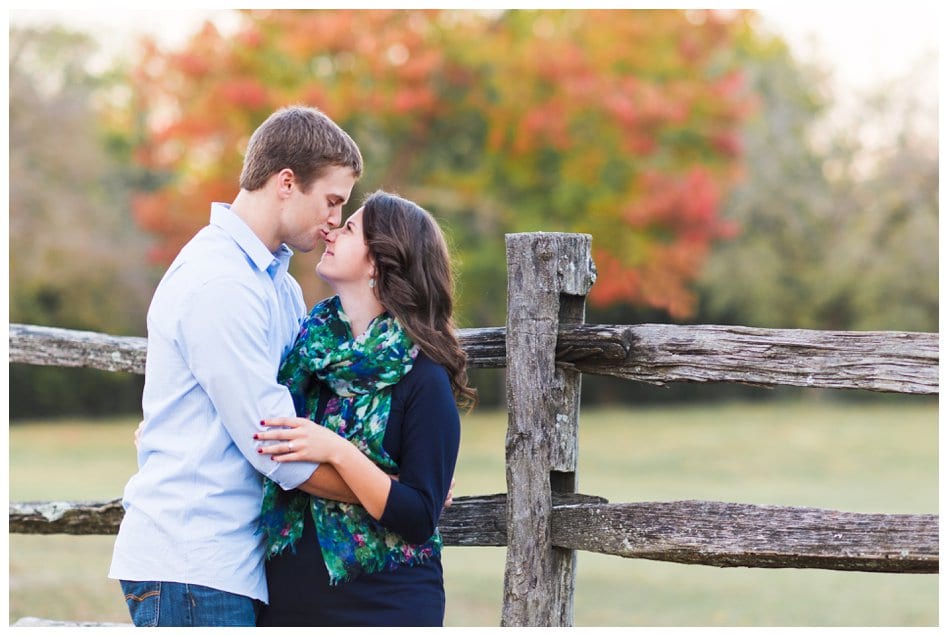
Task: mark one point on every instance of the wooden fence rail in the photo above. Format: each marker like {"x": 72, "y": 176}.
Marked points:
{"x": 696, "y": 532}
{"x": 887, "y": 361}
{"x": 546, "y": 347}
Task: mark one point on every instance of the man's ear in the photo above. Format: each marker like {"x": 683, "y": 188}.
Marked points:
{"x": 285, "y": 181}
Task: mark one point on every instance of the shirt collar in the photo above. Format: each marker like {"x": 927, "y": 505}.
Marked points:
{"x": 275, "y": 264}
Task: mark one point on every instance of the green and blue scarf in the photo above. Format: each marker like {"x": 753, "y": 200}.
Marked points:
{"x": 361, "y": 373}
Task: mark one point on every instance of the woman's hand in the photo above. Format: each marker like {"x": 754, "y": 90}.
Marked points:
{"x": 300, "y": 439}
{"x": 296, "y": 439}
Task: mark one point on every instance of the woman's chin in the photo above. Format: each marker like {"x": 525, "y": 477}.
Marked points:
{"x": 319, "y": 271}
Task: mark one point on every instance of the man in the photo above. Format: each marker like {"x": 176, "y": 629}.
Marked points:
{"x": 222, "y": 318}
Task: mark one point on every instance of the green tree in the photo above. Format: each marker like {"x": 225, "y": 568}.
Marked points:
{"x": 835, "y": 234}
{"x": 882, "y": 261}
{"x": 75, "y": 253}
{"x": 783, "y": 205}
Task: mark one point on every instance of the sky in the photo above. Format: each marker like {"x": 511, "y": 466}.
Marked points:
{"x": 861, "y": 45}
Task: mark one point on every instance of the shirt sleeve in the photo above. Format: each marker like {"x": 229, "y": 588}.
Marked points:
{"x": 224, "y": 333}
{"x": 431, "y": 435}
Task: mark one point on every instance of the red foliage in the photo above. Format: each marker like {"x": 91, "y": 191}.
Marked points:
{"x": 642, "y": 109}
{"x": 243, "y": 93}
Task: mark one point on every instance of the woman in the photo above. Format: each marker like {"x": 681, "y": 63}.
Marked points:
{"x": 379, "y": 368}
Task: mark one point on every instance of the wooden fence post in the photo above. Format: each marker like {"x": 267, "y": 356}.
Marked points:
{"x": 548, "y": 277}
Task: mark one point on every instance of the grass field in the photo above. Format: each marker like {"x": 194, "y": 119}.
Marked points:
{"x": 862, "y": 457}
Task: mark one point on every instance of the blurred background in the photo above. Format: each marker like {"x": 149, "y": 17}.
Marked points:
{"x": 771, "y": 168}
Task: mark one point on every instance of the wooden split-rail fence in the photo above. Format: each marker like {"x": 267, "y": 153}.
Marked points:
{"x": 542, "y": 520}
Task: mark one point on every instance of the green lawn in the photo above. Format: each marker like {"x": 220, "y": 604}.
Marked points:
{"x": 863, "y": 457}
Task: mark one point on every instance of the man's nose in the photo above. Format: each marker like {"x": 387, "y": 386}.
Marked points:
{"x": 335, "y": 217}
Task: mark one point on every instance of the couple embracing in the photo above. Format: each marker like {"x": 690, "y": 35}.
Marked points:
{"x": 293, "y": 465}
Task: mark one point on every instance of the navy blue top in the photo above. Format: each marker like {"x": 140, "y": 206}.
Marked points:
{"x": 422, "y": 436}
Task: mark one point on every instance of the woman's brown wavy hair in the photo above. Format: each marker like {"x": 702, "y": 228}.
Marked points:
{"x": 414, "y": 281}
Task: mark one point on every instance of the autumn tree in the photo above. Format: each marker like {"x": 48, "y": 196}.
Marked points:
{"x": 623, "y": 124}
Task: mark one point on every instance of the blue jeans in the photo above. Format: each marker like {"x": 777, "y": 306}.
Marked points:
{"x": 164, "y": 604}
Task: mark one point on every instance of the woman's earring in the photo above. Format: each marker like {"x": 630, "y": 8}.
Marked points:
{"x": 371, "y": 283}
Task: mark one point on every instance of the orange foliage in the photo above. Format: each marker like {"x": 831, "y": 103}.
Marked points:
{"x": 623, "y": 124}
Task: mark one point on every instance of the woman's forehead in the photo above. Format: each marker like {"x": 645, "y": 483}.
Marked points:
{"x": 355, "y": 216}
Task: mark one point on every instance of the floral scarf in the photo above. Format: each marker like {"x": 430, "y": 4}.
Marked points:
{"x": 361, "y": 373}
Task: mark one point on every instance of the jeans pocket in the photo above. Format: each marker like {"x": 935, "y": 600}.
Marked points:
{"x": 143, "y": 599}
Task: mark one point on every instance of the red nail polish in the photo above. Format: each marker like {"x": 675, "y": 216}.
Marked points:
{"x": 260, "y": 450}
{"x": 255, "y": 436}
{"x": 262, "y": 423}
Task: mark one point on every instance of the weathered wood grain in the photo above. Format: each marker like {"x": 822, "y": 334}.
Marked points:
{"x": 475, "y": 521}
{"x": 66, "y": 517}
{"x": 696, "y": 532}
{"x": 482, "y": 520}
{"x": 548, "y": 277}
{"x": 744, "y": 535}
{"x": 51, "y": 346}
{"x": 885, "y": 361}
{"x": 486, "y": 347}
{"x": 479, "y": 520}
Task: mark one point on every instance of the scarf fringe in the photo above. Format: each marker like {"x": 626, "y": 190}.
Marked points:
{"x": 390, "y": 565}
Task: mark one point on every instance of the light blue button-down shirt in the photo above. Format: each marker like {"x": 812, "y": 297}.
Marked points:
{"x": 221, "y": 320}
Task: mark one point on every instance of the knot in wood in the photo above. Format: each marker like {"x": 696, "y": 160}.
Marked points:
{"x": 544, "y": 254}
